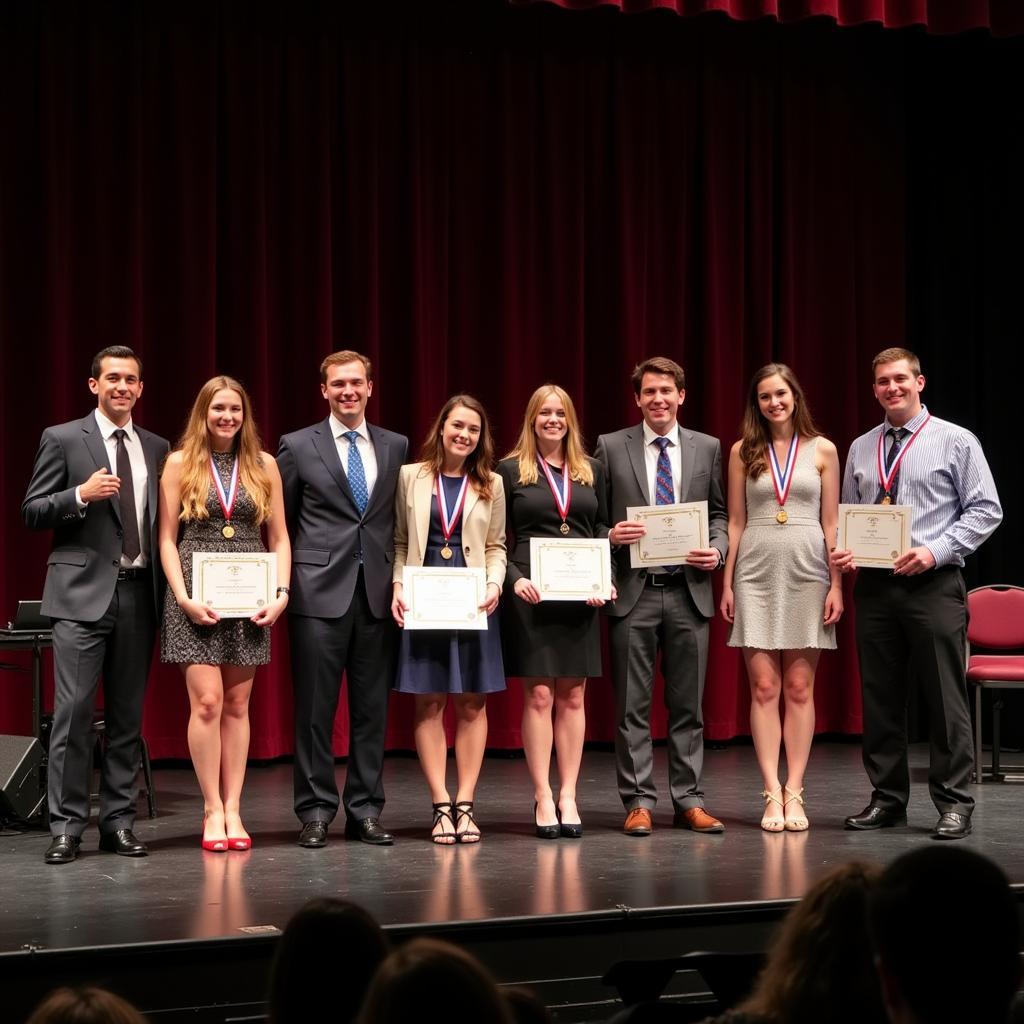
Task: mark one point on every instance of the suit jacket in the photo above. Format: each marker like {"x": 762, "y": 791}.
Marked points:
{"x": 483, "y": 524}
{"x": 82, "y": 568}
{"x": 626, "y": 471}
{"x": 327, "y": 532}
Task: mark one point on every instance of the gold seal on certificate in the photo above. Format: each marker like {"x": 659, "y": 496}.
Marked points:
{"x": 444, "y": 598}
{"x": 235, "y": 586}
{"x": 673, "y": 531}
{"x": 570, "y": 569}
{"x": 876, "y": 534}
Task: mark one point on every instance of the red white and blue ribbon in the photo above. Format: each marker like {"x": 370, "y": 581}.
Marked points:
{"x": 782, "y": 478}
{"x": 449, "y": 521}
{"x": 563, "y": 494}
{"x": 884, "y": 478}
{"x": 226, "y": 498}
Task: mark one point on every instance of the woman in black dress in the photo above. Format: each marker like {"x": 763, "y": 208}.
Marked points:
{"x": 216, "y": 491}
{"x": 552, "y": 489}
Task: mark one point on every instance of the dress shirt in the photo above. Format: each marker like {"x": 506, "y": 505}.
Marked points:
{"x": 140, "y": 479}
{"x": 944, "y": 477}
{"x": 651, "y": 452}
{"x": 363, "y": 445}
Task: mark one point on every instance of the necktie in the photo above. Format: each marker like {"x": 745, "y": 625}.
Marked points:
{"x": 356, "y": 473}
{"x": 897, "y": 434}
{"x": 664, "y": 491}
{"x": 131, "y": 546}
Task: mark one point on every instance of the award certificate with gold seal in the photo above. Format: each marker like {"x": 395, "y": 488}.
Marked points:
{"x": 570, "y": 568}
{"x": 235, "y": 586}
{"x": 876, "y": 534}
{"x": 444, "y": 598}
{"x": 673, "y": 531}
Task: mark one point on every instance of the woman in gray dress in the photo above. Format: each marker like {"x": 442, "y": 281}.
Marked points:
{"x": 779, "y": 592}
{"x": 217, "y": 489}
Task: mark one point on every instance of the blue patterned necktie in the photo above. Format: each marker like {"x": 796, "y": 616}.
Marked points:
{"x": 664, "y": 491}
{"x": 356, "y": 473}
{"x": 897, "y": 434}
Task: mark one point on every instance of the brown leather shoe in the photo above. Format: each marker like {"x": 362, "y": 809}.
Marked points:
{"x": 638, "y": 822}
{"x": 697, "y": 820}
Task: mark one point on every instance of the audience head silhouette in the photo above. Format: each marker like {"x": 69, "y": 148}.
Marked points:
{"x": 86, "y": 1005}
{"x": 422, "y": 972}
{"x": 327, "y": 938}
{"x": 946, "y": 936}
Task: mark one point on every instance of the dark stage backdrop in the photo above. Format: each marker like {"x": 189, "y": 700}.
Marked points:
{"x": 488, "y": 197}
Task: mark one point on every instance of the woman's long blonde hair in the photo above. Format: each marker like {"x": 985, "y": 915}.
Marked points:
{"x": 194, "y": 446}
{"x": 525, "y": 449}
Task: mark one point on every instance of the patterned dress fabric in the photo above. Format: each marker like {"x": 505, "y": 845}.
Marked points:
{"x": 231, "y": 641}
{"x": 781, "y": 577}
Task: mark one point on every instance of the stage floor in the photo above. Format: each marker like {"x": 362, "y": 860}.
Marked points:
{"x": 179, "y": 892}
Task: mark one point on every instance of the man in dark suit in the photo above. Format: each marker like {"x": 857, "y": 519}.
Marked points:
{"x": 658, "y": 462}
{"x": 339, "y": 480}
{"x": 95, "y": 485}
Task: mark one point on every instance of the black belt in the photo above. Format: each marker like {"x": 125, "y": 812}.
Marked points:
{"x": 134, "y": 574}
{"x": 660, "y": 580}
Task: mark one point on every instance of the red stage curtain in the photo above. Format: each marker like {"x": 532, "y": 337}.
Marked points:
{"x": 1000, "y": 17}
{"x": 480, "y": 197}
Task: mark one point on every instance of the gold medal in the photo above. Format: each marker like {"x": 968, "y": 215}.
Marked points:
{"x": 564, "y": 529}
{"x": 887, "y": 500}
{"x": 781, "y": 516}
{"x": 228, "y": 530}
{"x": 446, "y": 552}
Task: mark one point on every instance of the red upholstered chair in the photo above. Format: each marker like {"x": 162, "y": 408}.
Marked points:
{"x": 996, "y": 624}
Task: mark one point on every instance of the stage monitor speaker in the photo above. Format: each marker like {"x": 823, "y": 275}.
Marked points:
{"x": 21, "y": 758}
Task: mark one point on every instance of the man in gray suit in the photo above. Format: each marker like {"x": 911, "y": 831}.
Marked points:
{"x": 658, "y": 462}
{"x": 95, "y": 485}
{"x": 339, "y": 479}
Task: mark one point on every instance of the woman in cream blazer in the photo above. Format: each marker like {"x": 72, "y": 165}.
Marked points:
{"x": 450, "y": 511}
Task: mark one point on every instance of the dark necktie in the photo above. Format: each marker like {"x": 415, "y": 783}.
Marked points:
{"x": 664, "y": 492}
{"x": 356, "y": 472}
{"x": 131, "y": 546}
{"x": 896, "y": 434}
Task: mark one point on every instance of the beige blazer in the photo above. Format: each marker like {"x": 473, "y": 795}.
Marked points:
{"x": 483, "y": 524}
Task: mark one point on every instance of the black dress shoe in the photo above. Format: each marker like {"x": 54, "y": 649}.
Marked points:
{"x": 123, "y": 842}
{"x": 313, "y": 835}
{"x": 952, "y": 825}
{"x": 368, "y": 830}
{"x": 876, "y": 816}
{"x": 545, "y": 831}
{"x": 62, "y": 850}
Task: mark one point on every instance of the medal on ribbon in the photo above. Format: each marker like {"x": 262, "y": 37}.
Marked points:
{"x": 448, "y": 522}
{"x": 562, "y": 495}
{"x": 886, "y": 477}
{"x": 782, "y": 478}
{"x": 226, "y": 498}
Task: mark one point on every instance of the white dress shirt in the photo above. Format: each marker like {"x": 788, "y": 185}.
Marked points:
{"x": 140, "y": 480}
{"x": 363, "y": 445}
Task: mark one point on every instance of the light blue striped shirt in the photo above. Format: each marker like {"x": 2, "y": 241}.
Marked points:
{"x": 944, "y": 477}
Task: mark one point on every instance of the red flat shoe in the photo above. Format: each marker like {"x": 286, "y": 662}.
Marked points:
{"x": 239, "y": 843}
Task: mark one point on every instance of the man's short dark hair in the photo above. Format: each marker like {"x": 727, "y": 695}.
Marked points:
{"x": 941, "y": 913}
{"x": 658, "y": 364}
{"x": 113, "y": 352}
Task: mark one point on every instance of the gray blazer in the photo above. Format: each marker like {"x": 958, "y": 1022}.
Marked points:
{"x": 82, "y": 568}
{"x": 326, "y": 530}
{"x": 622, "y": 454}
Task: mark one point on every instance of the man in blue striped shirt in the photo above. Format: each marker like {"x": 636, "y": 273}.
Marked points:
{"x": 914, "y": 616}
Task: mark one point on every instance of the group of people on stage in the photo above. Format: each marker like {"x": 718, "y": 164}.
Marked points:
{"x": 344, "y": 512}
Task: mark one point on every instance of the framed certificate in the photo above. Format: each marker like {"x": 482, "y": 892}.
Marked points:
{"x": 673, "y": 531}
{"x": 235, "y": 586}
{"x": 876, "y": 534}
{"x": 570, "y": 569}
{"x": 441, "y": 598}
